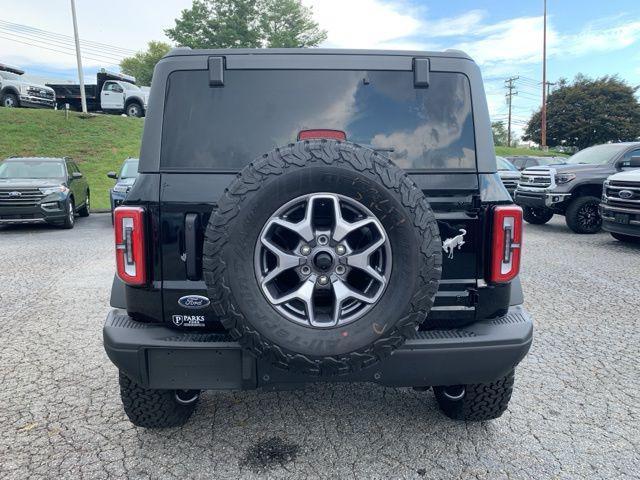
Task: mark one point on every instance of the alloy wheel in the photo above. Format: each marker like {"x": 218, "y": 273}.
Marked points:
{"x": 323, "y": 260}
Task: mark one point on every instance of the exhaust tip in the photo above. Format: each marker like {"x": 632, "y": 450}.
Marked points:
{"x": 454, "y": 393}
{"x": 187, "y": 397}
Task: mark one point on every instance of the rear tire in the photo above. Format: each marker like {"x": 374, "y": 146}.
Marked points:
{"x": 70, "y": 219}
{"x": 582, "y": 215}
{"x": 537, "y": 216}
{"x": 625, "y": 238}
{"x": 151, "y": 408}
{"x": 134, "y": 110}
{"x": 9, "y": 100}
{"x": 85, "y": 211}
{"x": 476, "y": 402}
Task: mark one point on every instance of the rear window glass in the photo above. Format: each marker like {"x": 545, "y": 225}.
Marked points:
{"x": 257, "y": 110}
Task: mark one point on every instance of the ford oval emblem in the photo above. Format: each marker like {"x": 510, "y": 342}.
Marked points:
{"x": 625, "y": 194}
{"x": 194, "y": 302}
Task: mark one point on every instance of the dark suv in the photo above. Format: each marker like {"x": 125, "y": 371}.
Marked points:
{"x": 124, "y": 181}
{"x": 573, "y": 189}
{"x": 316, "y": 216}
{"x": 42, "y": 190}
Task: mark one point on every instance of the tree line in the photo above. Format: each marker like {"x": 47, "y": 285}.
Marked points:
{"x": 231, "y": 24}
{"x": 584, "y": 112}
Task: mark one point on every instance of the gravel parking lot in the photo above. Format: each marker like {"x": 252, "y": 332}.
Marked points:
{"x": 575, "y": 412}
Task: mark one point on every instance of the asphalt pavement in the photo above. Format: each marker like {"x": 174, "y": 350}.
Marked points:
{"x": 575, "y": 412}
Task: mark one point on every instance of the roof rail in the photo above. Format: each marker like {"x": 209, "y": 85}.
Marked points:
{"x": 8, "y": 68}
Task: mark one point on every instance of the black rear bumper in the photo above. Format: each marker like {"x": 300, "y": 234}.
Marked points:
{"x": 158, "y": 357}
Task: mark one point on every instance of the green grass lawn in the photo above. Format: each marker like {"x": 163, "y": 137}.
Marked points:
{"x": 99, "y": 143}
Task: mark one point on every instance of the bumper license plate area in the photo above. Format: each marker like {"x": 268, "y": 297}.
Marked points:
{"x": 622, "y": 218}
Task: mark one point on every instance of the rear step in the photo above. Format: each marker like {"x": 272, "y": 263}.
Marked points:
{"x": 155, "y": 356}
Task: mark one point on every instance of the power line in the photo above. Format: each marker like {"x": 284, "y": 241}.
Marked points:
{"x": 48, "y": 48}
{"x": 53, "y": 35}
{"x": 39, "y": 42}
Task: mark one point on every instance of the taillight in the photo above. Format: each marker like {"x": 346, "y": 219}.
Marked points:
{"x": 506, "y": 244}
{"x": 322, "y": 133}
{"x": 130, "y": 250}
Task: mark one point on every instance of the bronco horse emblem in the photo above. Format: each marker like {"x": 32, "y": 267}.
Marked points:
{"x": 450, "y": 244}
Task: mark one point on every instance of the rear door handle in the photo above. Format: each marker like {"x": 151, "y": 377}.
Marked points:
{"x": 191, "y": 228}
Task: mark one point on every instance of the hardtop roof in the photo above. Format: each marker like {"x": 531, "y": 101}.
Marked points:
{"x": 186, "y": 51}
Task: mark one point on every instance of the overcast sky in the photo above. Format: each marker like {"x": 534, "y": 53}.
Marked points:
{"x": 503, "y": 36}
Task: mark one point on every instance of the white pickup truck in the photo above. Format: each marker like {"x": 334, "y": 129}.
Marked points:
{"x": 113, "y": 93}
{"x": 16, "y": 91}
{"x": 620, "y": 207}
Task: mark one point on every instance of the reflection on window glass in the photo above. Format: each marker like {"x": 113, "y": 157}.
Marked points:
{"x": 31, "y": 169}
{"x": 129, "y": 168}
{"x": 256, "y": 111}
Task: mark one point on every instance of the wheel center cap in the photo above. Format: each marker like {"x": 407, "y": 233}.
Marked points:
{"x": 323, "y": 261}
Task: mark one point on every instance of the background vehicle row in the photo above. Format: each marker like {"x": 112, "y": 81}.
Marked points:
{"x": 42, "y": 190}
{"x": 16, "y": 91}
{"x": 573, "y": 189}
{"x": 113, "y": 93}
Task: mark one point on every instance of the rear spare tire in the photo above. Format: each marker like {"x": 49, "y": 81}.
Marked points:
{"x": 322, "y": 257}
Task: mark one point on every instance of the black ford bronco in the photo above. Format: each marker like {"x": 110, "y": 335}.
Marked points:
{"x": 316, "y": 216}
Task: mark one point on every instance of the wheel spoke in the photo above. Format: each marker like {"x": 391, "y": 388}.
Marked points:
{"x": 285, "y": 260}
{"x": 342, "y": 292}
{"x": 304, "y": 227}
{"x": 343, "y": 228}
{"x": 304, "y": 293}
{"x": 361, "y": 260}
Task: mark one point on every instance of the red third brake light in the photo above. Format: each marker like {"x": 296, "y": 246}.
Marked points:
{"x": 322, "y": 133}
{"x": 130, "y": 252}
{"x": 506, "y": 244}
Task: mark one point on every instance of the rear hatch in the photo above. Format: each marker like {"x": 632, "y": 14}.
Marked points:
{"x": 212, "y": 132}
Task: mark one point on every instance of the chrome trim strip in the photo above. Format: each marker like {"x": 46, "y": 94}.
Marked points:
{"x": 452, "y": 308}
{"x": 623, "y": 200}
{"x": 13, "y": 221}
{"x": 471, "y": 281}
{"x": 454, "y": 216}
{"x": 622, "y": 187}
{"x": 453, "y": 293}
{"x": 619, "y": 209}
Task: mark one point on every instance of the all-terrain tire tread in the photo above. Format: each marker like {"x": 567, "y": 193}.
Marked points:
{"x": 150, "y": 408}
{"x": 482, "y": 401}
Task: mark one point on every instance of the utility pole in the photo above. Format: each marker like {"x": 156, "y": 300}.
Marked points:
{"x": 83, "y": 96}
{"x": 543, "y": 126}
{"x": 511, "y": 91}
{"x": 549, "y": 85}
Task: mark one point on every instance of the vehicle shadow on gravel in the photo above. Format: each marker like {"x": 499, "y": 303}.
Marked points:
{"x": 324, "y": 424}
{"x": 26, "y": 228}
